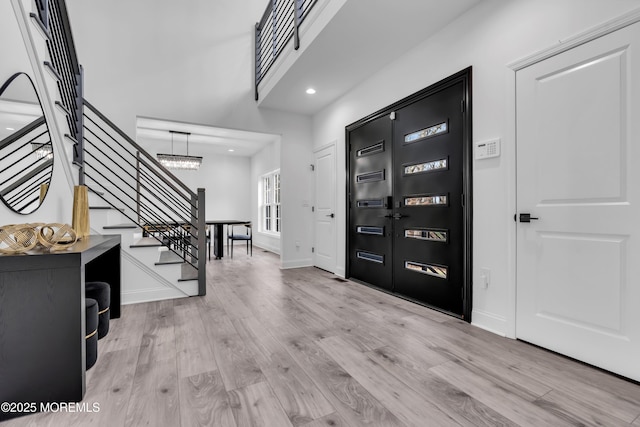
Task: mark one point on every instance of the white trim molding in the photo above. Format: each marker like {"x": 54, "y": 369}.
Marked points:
{"x": 593, "y": 33}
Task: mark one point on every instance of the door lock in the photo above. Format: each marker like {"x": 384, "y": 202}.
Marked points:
{"x": 526, "y": 217}
{"x": 398, "y": 216}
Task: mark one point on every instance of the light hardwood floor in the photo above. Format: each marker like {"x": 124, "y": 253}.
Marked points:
{"x": 271, "y": 347}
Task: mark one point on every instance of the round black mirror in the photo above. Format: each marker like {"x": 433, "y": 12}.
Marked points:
{"x": 26, "y": 152}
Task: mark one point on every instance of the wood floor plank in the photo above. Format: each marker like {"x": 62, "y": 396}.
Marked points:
{"x": 158, "y": 338}
{"x": 403, "y": 402}
{"x": 617, "y": 388}
{"x": 565, "y": 407}
{"x": 331, "y": 420}
{"x": 554, "y": 371}
{"x": 414, "y": 371}
{"x": 301, "y": 400}
{"x": 255, "y": 405}
{"x": 235, "y": 362}
{"x": 204, "y": 401}
{"x": 352, "y": 401}
{"x": 154, "y": 397}
{"x": 480, "y": 357}
{"x": 518, "y": 410}
{"x": 126, "y": 332}
{"x": 194, "y": 350}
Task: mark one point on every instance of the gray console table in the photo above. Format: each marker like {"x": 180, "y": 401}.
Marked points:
{"x": 42, "y": 319}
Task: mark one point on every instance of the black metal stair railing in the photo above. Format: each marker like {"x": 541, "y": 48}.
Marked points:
{"x": 113, "y": 166}
{"x": 281, "y": 21}
{"x": 127, "y": 177}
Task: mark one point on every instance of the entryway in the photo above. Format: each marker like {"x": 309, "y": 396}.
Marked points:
{"x": 409, "y": 197}
{"x": 578, "y": 202}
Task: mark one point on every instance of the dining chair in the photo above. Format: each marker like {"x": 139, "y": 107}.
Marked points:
{"x": 247, "y": 237}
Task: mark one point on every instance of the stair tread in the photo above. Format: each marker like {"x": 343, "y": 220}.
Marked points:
{"x": 118, "y": 226}
{"x": 146, "y": 242}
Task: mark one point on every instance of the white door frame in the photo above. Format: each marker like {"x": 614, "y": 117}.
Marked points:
{"x": 315, "y": 203}
{"x": 605, "y": 28}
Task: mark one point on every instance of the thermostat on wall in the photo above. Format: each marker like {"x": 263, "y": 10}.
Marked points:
{"x": 487, "y": 149}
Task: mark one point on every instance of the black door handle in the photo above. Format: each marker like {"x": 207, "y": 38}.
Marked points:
{"x": 526, "y": 217}
{"x": 331, "y": 215}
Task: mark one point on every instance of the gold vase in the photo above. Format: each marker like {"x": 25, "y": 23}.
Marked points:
{"x": 80, "y": 222}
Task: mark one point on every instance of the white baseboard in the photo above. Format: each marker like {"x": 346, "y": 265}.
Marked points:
{"x": 489, "y": 322}
{"x": 271, "y": 248}
{"x": 149, "y": 295}
{"x": 297, "y": 263}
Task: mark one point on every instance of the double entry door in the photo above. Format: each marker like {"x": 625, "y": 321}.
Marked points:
{"x": 408, "y": 230}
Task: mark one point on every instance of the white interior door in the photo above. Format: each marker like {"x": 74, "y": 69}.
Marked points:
{"x": 324, "y": 209}
{"x": 578, "y": 264}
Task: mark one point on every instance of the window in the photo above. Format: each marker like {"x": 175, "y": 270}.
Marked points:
{"x": 270, "y": 202}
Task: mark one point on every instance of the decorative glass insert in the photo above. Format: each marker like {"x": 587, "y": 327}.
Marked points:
{"x": 365, "y": 229}
{"x": 440, "y": 200}
{"x": 426, "y": 133}
{"x": 427, "y": 234}
{"x": 375, "y": 203}
{"x": 370, "y": 176}
{"x": 372, "y": 149}
{"x": 426, "y": 167}
{"x": 439, "y": 271}
{"x": 368, "y": 256}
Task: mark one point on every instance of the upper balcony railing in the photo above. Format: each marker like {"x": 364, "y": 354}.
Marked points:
{"x": 280, "y": 21}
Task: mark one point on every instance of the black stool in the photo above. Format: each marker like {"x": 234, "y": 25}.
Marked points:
{"x": 101, "y": 292}
{"x": 91, "y": 338}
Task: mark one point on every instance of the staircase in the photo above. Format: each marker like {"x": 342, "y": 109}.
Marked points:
{"x": 161, "y": 221}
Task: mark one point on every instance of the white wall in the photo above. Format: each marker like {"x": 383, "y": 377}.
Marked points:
{"x": 225, "y": 178}
{"x": 150, "y": 58}
{"x": 265, "y": 161}
{"x": 57, "y": 206}
{"x": 488, "y": 37}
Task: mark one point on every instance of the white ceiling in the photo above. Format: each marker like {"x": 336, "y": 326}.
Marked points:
{"x": 218, "y": 140}
{"x": 363, "y": 37}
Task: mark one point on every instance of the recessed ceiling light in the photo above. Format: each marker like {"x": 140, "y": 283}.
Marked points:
{"x": 10, "y": 129}
{"x": 311, "y": 91}
{"x": 231, "y": 150}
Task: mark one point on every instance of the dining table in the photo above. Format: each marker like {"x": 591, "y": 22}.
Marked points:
{"x": 218, "y": 236}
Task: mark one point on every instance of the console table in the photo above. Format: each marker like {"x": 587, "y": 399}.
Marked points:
{"x": 42, "y": 319}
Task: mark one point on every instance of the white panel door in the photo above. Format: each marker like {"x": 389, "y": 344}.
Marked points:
{"x": 324, "y": 215}
{"x": 578, "y": 264}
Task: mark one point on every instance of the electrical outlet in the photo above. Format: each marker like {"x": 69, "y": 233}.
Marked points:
{"x": 485, "y": 277}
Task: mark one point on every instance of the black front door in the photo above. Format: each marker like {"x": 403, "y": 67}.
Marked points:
{"x": 427, "y": 181}
{"x": 409, "y": 229}
{"x": 370, "y": 181}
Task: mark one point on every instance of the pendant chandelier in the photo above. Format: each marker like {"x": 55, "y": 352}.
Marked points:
{"x": 42, "y": 150}
{"x": 178, "y": 161}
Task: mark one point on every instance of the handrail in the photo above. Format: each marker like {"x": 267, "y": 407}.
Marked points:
{"x": 137, "y": 147}
{"x": 279, "y": 23}
{"x": 128, "y": 177}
